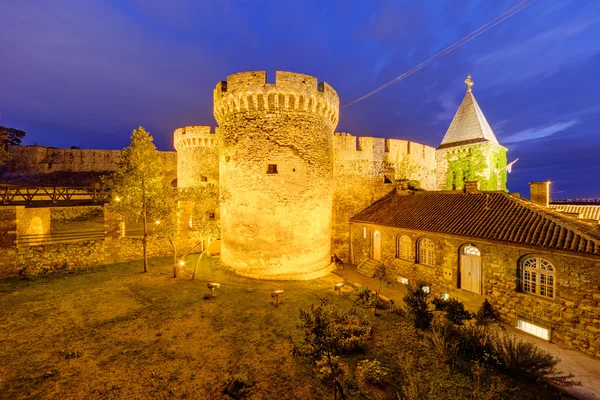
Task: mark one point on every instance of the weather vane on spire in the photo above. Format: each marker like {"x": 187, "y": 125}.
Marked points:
{"x": 469, "y": 83}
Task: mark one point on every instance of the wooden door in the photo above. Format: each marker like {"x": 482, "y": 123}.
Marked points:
{"x": 377, "y": 245}
{"x": 470, "y": 273}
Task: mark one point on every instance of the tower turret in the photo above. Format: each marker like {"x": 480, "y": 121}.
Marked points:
{"x": 197, "y": 156}
{"x": 276, "y": 173}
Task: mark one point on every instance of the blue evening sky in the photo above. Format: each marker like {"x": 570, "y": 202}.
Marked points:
{"x": 85, "y": 73}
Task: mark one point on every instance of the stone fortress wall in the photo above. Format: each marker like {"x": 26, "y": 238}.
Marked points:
{"x": 46, "y": 160}
{"x": 366, "y": 169}
{"x": 276, "y": 173}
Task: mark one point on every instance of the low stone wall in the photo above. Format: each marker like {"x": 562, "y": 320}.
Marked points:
{"x": 40, "y": 260}
{"x": 573, "y": 315}
{"x": 69, "y": 213}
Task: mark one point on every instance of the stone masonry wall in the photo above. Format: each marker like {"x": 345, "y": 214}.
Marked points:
{"x": 573, "y": 315}
{"x": 35, "y": 261}
{"x": 43, "y": 160}
{"x": 361, "y": 166}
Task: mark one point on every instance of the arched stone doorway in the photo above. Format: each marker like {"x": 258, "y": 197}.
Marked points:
{"x": 377, "y": 245}
{"x": 470, "y": 269}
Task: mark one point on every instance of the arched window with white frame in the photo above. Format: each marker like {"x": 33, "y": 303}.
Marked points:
{"x": 538, "y": 277}
{"x": 426, "y": 252}
{"x": 404, "y": 247}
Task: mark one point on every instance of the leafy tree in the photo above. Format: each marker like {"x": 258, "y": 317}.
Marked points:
{"x": 383, "y": 274}
{"x": 164, "y": 209}
{"x": 139, "y": 178}
{"x": 11, "y": 136}
{"x": 328, "y": 333}
{"x": 417, "y": 306}
{"x": 203, "y": 202}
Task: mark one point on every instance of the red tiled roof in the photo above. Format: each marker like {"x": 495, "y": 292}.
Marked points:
{"x": 484, "y": 215}
{"x": 587, "y": 211}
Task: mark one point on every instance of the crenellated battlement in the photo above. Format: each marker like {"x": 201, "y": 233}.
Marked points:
{"x": 359, "y": 147}
{"x": 291, "y": 93}
{"x": 194, "y": 136}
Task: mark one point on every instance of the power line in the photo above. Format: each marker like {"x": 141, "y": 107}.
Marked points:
{"x": 506, "y": 14}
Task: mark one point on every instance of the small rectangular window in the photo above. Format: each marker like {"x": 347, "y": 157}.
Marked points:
{"x": 364, "y": 232}
{"x": 211, "y": 215}
{"x": 203, "y": 179}
{"x": 271, "y": 168}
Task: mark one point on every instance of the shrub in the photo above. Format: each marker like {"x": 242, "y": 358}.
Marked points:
{"x": 364, "y": 295}
{"x": 521, "y": 358}
{"x": 472, "y": 343}
{"x": 454, "y": 310}
{"x": 486, "y": 314}
{"x": 236, "y": 386}
{"x": 323, "y": 368}
{"x": 372, "y": 372}
{"x": 417, "y": 307}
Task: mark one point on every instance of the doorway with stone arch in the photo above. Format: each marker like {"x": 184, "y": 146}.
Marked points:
{"x": 377, "y": 245}
{"x": 470, "y": 269}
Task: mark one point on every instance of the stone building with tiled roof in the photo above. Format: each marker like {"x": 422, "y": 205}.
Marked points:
{"x": 538, "y": 267}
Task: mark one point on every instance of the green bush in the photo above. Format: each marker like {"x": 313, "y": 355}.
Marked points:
{"x": 364, "y": 295}
{"x": 372, "y": 372}
{"x": 323, "y": 369}
{"x": 417, "y": 307}
{"x": 486, "y": 314}
{"x": 454, "y": 310}
{"x": 521, "y": 358}
{"x": 466, "y": 342}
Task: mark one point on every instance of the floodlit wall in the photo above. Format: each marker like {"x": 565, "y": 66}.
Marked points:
{"x": 45, "y": 160}
{"x": 572, "y": 315}
{"x": 276, "y": 173}
{"x": 366, "y": 169}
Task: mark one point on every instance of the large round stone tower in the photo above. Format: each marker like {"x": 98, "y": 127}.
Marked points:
{"x": 197, "y": 156}
{"x": 276, "y": 178}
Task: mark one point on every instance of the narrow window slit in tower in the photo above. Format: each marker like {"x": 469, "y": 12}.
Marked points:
{"x": 271, "y": 168}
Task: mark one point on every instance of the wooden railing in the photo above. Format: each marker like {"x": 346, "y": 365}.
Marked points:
{"x": 52, "y": 195}
{"x": 59, "y": 237}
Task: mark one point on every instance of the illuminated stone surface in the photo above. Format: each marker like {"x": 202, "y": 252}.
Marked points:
{"x": 276, "y": 174}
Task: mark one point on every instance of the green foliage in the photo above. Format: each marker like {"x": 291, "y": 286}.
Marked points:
{"x": 11, "y": 136}
{"x": 417, "y": 306}
{"x": 372, "y": 372}
{"x": 453, "y": 309}
{"x": 521, "y": 358}
{"x": 383, "y": 274}
{"x": 330, "y": 330}
{"x": 469, "y": 165}
{"x": 139, "y": 177}
{"x": 486, "y": 314}
{"x": 138, "y": 183}
{"x": 328, "y": 333}
{"x": 324, "y": 372}
{"x": 364, "y": 296}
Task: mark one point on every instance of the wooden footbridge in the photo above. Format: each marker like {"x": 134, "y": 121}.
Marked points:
{"x": 52, "y": 196}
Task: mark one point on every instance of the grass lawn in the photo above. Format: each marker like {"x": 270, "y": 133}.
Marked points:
{"x": 118, "y": 333}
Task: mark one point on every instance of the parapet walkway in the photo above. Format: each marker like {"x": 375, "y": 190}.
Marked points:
{"x": 585, "y": 368}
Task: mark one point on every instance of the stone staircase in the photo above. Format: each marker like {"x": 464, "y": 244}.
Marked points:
{"x": 368, "y": 267}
